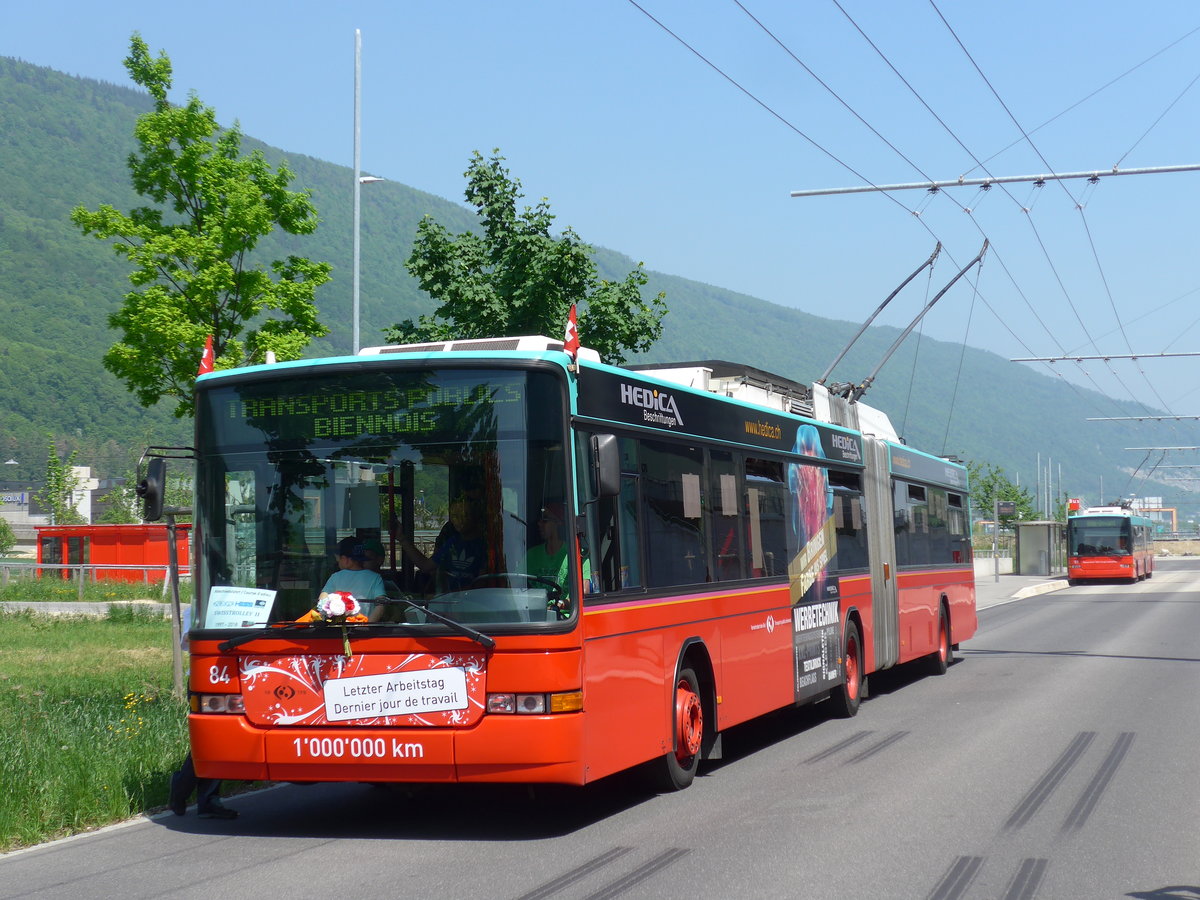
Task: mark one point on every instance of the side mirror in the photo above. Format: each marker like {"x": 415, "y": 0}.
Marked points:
{"x": 150, "y": 489}
{"x": 606, "y": 466}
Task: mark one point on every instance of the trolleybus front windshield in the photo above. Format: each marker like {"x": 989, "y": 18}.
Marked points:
{"x": 1100, "y": 536}
{"x": 436, "y": 479}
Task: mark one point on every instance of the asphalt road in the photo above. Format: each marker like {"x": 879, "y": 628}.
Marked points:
{"x": 1056, "y": 759}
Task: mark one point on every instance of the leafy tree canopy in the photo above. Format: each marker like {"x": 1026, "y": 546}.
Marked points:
{"x": 8, "y": 538}
{"x": 192, "y": 253}
{"x": 989, "y": 484}
{"x": 58, "y": 494}
{"x": 516, "y": 278}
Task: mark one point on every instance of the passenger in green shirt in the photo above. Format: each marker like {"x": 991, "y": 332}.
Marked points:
{"x": 549, "y": 558}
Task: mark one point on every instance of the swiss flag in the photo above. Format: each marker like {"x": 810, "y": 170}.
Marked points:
{"x": 206, "y": 359}
{"x": 571, "y": 338}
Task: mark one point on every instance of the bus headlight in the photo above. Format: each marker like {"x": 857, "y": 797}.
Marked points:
{"x": 228, "y": 704}
{"x": 534, "y": 704}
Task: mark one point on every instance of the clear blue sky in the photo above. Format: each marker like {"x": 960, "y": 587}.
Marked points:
{"x": 645, "y": 148}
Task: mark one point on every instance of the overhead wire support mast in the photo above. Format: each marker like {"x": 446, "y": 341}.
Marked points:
{"x": 1001, "y": 179}
{"x": 1139, "y": 418}
{"x": 857, "y": 392}
{"x": 1106, "y": 357}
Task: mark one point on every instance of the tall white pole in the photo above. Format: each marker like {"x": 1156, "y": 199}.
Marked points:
{"x": 357, "y": 183}
{"x": 1038, "y": 486}
{"x": 1050, "y": 488}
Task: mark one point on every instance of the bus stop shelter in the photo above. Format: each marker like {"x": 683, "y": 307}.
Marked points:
{"x": 105, "y": 550}
{"x": 1041, "y": 548}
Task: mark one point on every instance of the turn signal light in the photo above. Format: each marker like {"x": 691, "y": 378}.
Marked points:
{"x": 561, "y": 703}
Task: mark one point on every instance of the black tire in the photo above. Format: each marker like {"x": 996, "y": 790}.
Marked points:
{"x": 939, "y": 660}
{"x": 846, "y": 697}
{"x": 676, "y": 769}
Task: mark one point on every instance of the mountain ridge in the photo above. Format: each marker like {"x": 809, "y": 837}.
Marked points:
{"x": 65, "y": 140}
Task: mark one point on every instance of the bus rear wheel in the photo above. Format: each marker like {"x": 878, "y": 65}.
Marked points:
{"x": 847, "y": 696}
{"x": 676, "y": 769}
{"x": 939, "y": 660}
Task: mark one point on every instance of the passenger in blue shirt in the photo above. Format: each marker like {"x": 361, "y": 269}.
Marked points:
{"x": 353, "y": 576}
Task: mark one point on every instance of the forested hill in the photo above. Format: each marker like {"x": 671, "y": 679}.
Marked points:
{"x": 64, "y": 142}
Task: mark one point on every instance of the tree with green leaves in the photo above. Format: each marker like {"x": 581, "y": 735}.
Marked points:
{"x": 194, "y": 270}
{"x": 514, "y": 277}
{"x": 120, "y": 506}
{"x": 123, "y": 506}
{"x": 8, "y": 538}
{"x": 989, "y": 483}
{"x": 58, "y": 494}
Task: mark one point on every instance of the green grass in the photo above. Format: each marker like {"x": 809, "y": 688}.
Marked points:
{"x": 54, "y": 589}
{"x": 89, "y": 729}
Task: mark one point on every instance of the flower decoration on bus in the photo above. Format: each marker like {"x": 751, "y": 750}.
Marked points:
{"x": 337, "y": 608}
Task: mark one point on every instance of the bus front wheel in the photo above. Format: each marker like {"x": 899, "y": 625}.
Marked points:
{"x": 676, "y": 769}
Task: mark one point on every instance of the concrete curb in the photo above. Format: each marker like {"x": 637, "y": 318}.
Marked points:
{"x": 1044, "y": 588}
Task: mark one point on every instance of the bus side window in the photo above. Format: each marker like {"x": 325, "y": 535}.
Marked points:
{"x": 676, "y": 551}
{"x": 849, "y": 521}
{"x": 727, "y": 550}
{"x": 616, "y": 554}
{"x": 629, "y": 574}
{"x": 767, "y": 508}
{"x": 960, "y": 537}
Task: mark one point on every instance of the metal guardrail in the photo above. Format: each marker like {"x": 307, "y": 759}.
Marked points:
{"x": 79, "y": 572}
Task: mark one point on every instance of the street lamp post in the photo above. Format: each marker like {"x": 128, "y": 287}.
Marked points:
{"x": 359, "y": 179}
{"x": 357, "y": 183}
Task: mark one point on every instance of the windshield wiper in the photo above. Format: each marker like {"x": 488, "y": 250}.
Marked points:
{"x": 465, "y": 630}
{"x": 266, "y": 631}
{"x": 256, "y": 633}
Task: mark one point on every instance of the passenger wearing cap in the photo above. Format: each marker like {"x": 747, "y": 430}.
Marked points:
{"x": 353, "y": 575}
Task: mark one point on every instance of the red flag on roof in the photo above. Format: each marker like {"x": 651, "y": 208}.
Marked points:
{"x": 206, "y": 358}
{"x": 571, "y": 338}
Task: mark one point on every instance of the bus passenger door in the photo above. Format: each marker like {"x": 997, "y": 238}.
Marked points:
{"x": 881, "y": 535}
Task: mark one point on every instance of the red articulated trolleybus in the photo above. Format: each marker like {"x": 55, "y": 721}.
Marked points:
{"x": 1105, "y": 542}
{"x": 726, "y": 551}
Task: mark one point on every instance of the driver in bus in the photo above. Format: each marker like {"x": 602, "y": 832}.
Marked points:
{"x": 460, "y": 554}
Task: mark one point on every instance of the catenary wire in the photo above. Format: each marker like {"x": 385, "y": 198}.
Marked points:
{"x": 961, "y": 356}
{"x": 1154, "y": 124}
{"x": 889, "y": 144}
{"x": 828, "y": 153}
{"x": 758, "y": 101}
{"x": 831, "y": 91}
{"x": 1098, "y": 90}
{"x": 1074, "y": 201}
